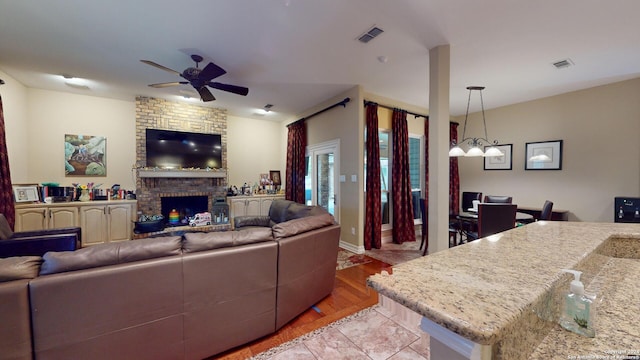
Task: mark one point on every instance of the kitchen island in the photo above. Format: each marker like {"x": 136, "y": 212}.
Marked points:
{"x": 499, "y": 297}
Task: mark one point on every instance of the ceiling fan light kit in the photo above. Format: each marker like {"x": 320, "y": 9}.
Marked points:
{"x": 200, "y": 79}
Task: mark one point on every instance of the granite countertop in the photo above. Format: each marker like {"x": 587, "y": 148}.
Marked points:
{"x": 484, "y": 290}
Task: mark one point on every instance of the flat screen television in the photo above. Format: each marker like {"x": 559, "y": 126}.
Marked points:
{"x": 167, "y": 149}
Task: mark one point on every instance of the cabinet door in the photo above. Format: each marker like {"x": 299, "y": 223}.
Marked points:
{"x": 265, "y": 205}
{"x": 31, "y": 219}
{"x": 93, "y": 220}
{"x": 63, "y": 217}
{"x": 119, "y": 223}
{"x": 253, "y": 207}
{"x": 237, "y": 207}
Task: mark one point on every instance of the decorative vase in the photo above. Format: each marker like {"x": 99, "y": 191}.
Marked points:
{"x": 84, "y": 195}
{"x": 174, "y": 217}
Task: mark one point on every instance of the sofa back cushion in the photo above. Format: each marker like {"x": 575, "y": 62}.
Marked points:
{"x": 301, "y": 225}
{"x": 278, "y": 210}
{"x": 199, "y": 241}
{"x": 110, "y": 254}
{"x": 19, "y": 267}
{"x": 297, "y": 211}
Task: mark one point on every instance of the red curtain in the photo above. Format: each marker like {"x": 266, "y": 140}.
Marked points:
{"x": 454, "y": 178}
{"x": 6, "y": 190}
{"x": 373, "y": 212}
{"x": 403, "y": 228}
{"x": 296, "y": 164}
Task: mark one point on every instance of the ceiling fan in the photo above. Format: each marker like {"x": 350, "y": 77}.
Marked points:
{"x": 200, "y": 79}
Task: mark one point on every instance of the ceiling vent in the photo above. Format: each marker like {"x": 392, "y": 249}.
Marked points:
{"x": 562, "y": 64}
{"x": 370, "y": 34}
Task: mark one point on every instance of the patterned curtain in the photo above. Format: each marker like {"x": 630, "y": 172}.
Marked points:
{"x": 403, "y": 228}
{"x": 373, "y": 212}
{"x": 6, "y": 190}
{"x": 296, "y": 162}
{"x": 454, "y": 178}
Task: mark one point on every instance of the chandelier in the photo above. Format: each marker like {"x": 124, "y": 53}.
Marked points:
{"x": 475, "y": 143}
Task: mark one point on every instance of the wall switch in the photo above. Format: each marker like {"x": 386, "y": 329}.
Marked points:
{"x": 353, "y": 231}
{"x": 354, "y": 178}
{"x": 343, "y": 178}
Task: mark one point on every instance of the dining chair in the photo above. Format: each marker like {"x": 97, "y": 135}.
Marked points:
{"x": 423, "y": 215}
{"x": 494, "y": 218}
{"x": 458, "y": 226}
{"x": 498, "y": 199}
{"x": 468, "y": 197}
{"x": 546, "y": 210}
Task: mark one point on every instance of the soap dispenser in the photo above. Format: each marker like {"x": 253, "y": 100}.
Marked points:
{"x": 578, "y": 313}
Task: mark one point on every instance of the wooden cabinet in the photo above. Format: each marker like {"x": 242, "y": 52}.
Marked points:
{"x": 42, "y": 218}
{"x": 100, "y": 221}
{"x": 106, "y": 223}
{"x": 251, "y": 205}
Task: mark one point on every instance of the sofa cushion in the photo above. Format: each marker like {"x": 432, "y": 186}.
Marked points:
{"x": 245, "y": 221}
{"x": 278, "y": 210}
{"x": 200, "y": 241}
{"x": 110, "y": 254}
{"x": 5, "y": 229}
{"x": 19, "y": 267}
{"x": 297, "y": 211}
{"x": 298, "y": 226}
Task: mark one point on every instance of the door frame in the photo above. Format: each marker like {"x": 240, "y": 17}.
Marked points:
{"x": 331, "y": 146}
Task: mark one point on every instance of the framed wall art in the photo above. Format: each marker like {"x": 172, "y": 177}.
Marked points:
{"x": 85, "y": 155}
{"x": 503, "y": 162}
{"x": 543, "y": 155}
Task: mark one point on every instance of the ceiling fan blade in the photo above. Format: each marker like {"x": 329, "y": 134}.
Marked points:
{"x": 149, "y": 62}
{"x": 167, "y": 84}
{"x": 205, "y": 94}
{"x": 211, "y": 71}
{"x": 240, "y": 90}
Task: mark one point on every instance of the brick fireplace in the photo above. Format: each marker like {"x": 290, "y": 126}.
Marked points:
{"x": 162, "y": 114}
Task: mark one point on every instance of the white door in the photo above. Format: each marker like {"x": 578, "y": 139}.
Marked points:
{"x": 321, "y": 182}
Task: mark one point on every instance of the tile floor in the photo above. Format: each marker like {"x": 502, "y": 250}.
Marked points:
{"x": 372, "y": 336}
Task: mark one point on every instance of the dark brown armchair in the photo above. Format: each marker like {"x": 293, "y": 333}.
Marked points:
{"x": 547, "y": 210}
{"x": 36, "y": 243}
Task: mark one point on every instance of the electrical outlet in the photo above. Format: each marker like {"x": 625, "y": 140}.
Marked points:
{"x": 353, "y": 231}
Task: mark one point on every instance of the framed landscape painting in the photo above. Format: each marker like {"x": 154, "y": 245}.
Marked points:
{"x": 503, "y": 162}
{"x": 85, "y": 155}
{"x": 543, "y": 155}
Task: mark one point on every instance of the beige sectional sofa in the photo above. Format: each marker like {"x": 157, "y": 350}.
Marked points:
{"x": 174, "y": 297}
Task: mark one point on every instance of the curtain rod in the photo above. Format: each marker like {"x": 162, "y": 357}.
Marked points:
{"x": 367, "y": 102}
{"x": 341, "y": 103}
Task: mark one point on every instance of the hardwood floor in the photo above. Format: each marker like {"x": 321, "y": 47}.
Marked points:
{"x": 349, "y": 296}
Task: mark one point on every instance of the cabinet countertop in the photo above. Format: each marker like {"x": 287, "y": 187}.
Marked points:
{"x": 75, "y": 203}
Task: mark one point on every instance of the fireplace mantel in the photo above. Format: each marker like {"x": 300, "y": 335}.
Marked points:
{"x": 173, "y": 173}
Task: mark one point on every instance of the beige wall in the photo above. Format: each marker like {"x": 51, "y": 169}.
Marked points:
{"x": 14, "y": 102}
{"x": 255, "y": 147}
{"x": 600, "y": 128}
{"x": 346, "y": 126}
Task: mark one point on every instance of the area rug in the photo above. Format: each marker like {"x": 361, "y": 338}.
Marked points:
{"x": 347, "y": 259}
{"x": 394, "y": 254}
{"x": 282, "y": 347}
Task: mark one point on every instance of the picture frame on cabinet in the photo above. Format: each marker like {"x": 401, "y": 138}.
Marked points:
{"x": 26, "y": 193}
{"x": 274, "y": 175}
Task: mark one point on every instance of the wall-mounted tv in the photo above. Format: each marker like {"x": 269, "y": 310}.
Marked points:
{"x": 167, "y": 149}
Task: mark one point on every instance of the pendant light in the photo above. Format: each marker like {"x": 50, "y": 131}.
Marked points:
{"x": 475, "y": 143}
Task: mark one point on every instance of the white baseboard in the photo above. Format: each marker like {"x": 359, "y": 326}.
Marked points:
{"x": 350, "y": 247}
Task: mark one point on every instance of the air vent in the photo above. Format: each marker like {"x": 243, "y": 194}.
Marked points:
{"x": 562, "y": 64}
{"x": 370, "y": 34}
